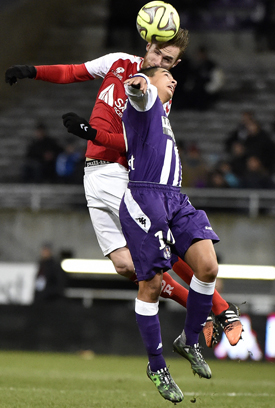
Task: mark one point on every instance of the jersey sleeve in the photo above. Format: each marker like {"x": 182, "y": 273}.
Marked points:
{"x": 63, "y": 74}
{"x": 114, "y": 141}
{"x": 69, "y": 73}
{"x": 99, "y": 67}
{"x": 140, "y": 101}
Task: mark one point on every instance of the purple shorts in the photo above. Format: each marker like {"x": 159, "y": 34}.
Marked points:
{"x": 158, "y": 221}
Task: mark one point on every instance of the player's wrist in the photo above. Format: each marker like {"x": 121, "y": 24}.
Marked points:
{"x": 91, "y": 133}
{"x": 32, "y": 71}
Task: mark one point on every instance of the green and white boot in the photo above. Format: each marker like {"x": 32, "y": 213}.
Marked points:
{"x": 193, "y": 355}
{"x": 165, "y": 384}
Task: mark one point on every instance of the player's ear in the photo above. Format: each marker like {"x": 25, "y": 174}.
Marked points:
{"x": 176, "y": 63}
{"x": 148, "y": 46}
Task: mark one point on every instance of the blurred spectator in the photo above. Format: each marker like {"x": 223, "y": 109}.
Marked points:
{"x": 259, "y": 143}
{"x": 241, "y": 131}
{"x": 237, "y": 158}
{"x": 263, "y": 20}
{"x": 40, "y": 157}
{"x": 216, "y": 179}
{"x": 50, "y": 278}
{"x": 194, "y": 167}
{"x": 67, "y": 164}
{"x": 49, "y": 305}
{"x": 222, "y": 176}
{"x": 256, "y": 176}
{"x": 250, "y": 139}
{"x": 230, "y": 178}
{"x": 203, "y": 85}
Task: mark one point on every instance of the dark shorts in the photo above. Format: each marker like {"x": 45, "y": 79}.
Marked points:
{"x": 158, "y": 221}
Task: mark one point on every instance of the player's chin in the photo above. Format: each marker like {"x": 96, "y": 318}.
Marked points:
{"x": 170, "y": 93}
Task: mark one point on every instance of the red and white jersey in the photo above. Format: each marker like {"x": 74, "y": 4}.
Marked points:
{"x": 114, "y": 68}
{"x": 110, "y": 102}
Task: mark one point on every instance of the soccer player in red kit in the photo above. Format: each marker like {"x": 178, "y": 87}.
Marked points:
{"x": 106, "y": 174}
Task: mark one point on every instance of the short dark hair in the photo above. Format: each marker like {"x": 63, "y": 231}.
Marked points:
{"x": 180, "y": 40}
{"x": 149, "y": 71}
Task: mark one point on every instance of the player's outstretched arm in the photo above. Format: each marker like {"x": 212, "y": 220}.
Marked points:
{"x": 57, "y": 74}
{"x": 19, "y": 72}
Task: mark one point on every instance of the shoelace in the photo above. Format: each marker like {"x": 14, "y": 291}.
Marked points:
{"x": 230, "y": 316}
{"x": 165, "y": 375}
{"x": 197, "y": 350}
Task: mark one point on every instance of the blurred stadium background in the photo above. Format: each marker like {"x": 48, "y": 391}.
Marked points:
{"x": 98, "y": 312}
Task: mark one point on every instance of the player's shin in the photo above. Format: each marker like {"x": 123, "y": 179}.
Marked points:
{"x": 199, "y": 304}
{"x": 149, "y": 327}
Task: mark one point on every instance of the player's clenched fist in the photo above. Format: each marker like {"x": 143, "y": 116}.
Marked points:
{"x": 78, "y": 126}
{"x": 19, "y": 72}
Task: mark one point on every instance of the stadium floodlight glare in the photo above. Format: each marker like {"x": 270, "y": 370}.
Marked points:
{"x": 260, "y": 272}
{"x": 100, "y": 266}
{"x": 105, "y": 266}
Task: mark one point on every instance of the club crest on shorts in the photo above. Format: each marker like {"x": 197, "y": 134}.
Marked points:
{"x": 167, "y": 252}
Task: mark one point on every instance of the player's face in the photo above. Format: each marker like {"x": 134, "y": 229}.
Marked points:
{"x": 166, "y": 57}
{"x": 165, "y": 84}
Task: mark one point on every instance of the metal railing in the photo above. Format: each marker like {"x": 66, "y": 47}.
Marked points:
{"x": 254, "y": 303}
{"x": 42, "y": 197}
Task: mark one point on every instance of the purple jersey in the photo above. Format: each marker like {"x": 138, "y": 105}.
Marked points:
{"x": 151, "y": 150}
{"x": 157, "y": 220}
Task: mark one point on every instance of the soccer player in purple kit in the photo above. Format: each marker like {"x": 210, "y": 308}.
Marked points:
{"x": 104, "y": 165}
{"x": 158, "y": 220}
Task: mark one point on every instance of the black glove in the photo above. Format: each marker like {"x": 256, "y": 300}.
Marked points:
{"x": 19, "y": 72}
{"x": 78, "y": 126}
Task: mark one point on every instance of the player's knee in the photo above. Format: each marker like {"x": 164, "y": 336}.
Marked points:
{"x": 150, "y": 293}
{"x": 123, "y": 262}
{"x": 210, "y": 272}
{"x": 125, "y": 269}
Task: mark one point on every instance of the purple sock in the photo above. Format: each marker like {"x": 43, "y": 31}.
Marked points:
{"x": 149, "y": 328}
{"x": 198, "y": 308}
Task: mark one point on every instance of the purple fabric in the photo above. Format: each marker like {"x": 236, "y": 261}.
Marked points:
{"x": 169, "y": 211}
{"x": 198, "y": 308}
{"x": 147, "y": 135}
{"x": 149, "y": 328}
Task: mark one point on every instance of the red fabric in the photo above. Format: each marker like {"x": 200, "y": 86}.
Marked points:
{"x": 219, "y": 304}
{"x": 108, "y": 110}
{"x": 113, "y": 141}
{"x": 63, "y": 74}
{"x": 183, "y": 271}
{"x": 173, "y": 290}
